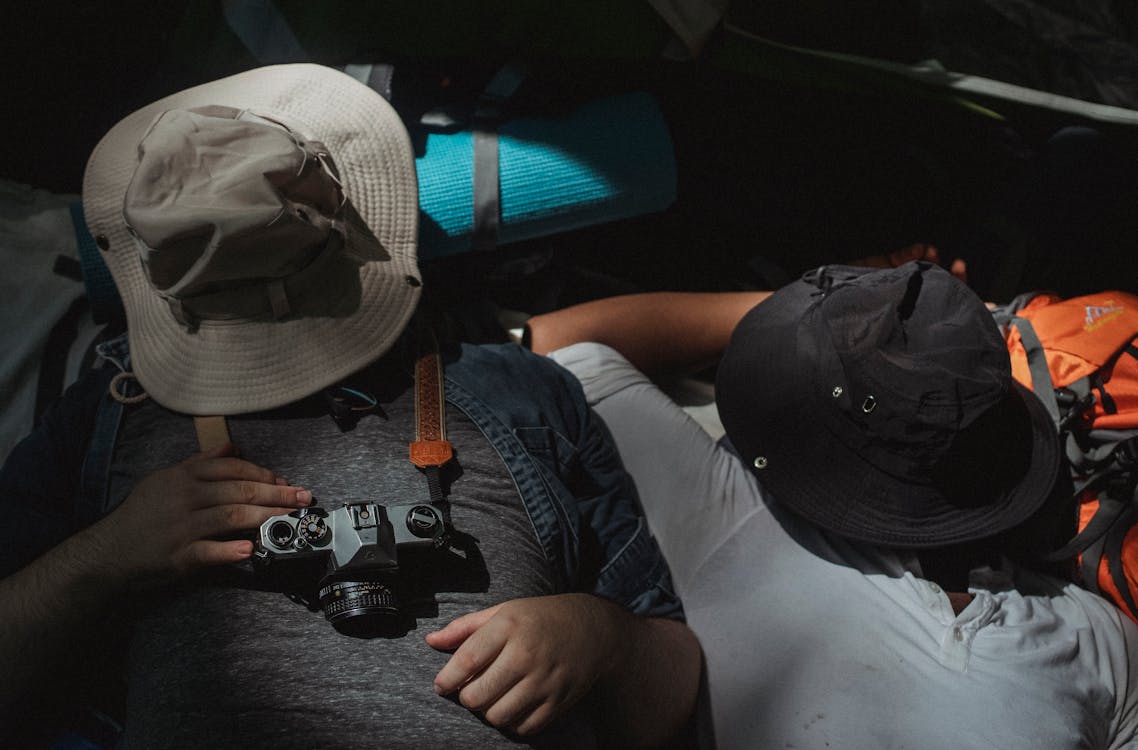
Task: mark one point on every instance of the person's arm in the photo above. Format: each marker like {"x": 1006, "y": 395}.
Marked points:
{"x": 655, "y": 331}
{"x": 174, "y": 522}
{"x": 604, "y": 640}
{"x": 523, "y": 663}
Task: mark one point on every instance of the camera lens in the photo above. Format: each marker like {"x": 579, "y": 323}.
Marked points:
{"x": 281, "y": 533}
{"x": 357, "y": 606}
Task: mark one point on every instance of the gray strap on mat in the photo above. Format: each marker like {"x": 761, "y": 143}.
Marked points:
{"x": 487, "y": 186}
{"x": 487, "y": 206}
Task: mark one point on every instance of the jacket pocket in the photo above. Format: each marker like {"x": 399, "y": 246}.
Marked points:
{"x": 548, "y": 444}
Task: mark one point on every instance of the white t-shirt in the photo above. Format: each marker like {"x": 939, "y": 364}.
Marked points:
{"x": 813, "y": 641}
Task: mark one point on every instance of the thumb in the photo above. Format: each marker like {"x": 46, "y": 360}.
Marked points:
{"x": 458, "y": 630}
{"x": 960, "y": 269}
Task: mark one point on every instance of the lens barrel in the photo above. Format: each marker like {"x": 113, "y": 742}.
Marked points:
{"x": 359, "y": 604}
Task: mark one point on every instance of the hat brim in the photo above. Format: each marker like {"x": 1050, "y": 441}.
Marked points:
{"x": 821, "y": 479}
{"x": 231, "y": 367}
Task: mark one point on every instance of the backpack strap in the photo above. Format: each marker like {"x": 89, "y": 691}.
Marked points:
{"x": 1111, "y": 545}
{"x": 1041, "y": 383}
{"x": 1091, "y": 535}
{"x": 1114, "y": 546}
{"x": 1112, "y": 461}
{"x": 1062, "y": 404}
{"x": 1099, "y": 453}
{"x": 1075, "y": 398}
{"x": 94, "y": 482}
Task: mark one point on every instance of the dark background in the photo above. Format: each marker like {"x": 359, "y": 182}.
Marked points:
{"x": 781, "y": 166}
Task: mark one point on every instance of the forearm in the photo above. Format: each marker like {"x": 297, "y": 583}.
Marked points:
{"x": 649, "y": 694}
{"x": 654, "y": 331}
{"x": 47, "y": 610}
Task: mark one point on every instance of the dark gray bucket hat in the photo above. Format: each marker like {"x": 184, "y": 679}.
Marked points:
{"x": 880, "y": 405}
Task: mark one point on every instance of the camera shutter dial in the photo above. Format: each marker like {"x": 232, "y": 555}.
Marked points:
{"x": 423, "y": 521}
{"x": 312, "y": 529}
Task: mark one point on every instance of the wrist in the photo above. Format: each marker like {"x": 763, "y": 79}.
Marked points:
{"x": 616, "y": 630}
{"x": 97, "y": 559}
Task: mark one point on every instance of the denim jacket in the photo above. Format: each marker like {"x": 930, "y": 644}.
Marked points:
{"x": 582, "y": 504}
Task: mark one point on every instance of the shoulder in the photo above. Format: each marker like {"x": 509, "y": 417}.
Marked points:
{"x": 1107, "y": 639}
{"x": 1114, "y": 653}
{"x": 511, "y": 379}
{"x": 601, "y": 370}
{"x": 482, "y": 359}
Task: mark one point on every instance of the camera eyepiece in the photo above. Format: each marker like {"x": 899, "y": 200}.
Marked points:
{"x": 281, "y": 534}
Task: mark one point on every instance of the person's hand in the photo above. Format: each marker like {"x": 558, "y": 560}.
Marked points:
{"x": 523, "y": 663}
{"x": 182, "y": 518}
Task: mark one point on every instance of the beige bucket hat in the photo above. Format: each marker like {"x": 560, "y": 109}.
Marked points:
{"x": 261, "y": 230}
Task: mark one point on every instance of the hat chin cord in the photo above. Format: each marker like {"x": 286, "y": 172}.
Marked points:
{"x": 120, "y": 385}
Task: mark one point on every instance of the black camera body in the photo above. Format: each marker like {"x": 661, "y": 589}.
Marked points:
{"x": 361, "y": 543}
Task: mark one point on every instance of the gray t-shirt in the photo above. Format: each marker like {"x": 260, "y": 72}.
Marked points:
{"x": 229, "y": 660}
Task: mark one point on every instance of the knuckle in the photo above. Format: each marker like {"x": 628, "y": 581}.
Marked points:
{"x": 471, "y": 698}
{"x": 247, "y": 491}
{"x": 536, "y": 721}
{"x": 467, "y": 662}
{"x": 527, "y": 651}
{"x": 514, "y": 619}
{"x": 234, "y": 515}
{"x": 284, "y": 496}
{"x": 499, "y": 717}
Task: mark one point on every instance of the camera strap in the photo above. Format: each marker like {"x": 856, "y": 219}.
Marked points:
{"x": 429, "y": 451}
{"x": 213, "y": 432}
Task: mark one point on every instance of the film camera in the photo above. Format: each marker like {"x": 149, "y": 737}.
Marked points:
{"x": 361, "y": 542}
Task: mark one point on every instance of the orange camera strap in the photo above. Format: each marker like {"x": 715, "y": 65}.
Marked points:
{"x": 430, "y": 449}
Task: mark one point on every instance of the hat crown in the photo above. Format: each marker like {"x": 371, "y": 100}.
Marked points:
{"x": 880, "y": 405}
{"x": 222, "y": 196}
{"x": 230, "y": 310}
{"x": 917, "y": 358}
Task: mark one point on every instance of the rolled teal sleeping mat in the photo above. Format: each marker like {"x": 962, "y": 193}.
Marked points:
{"x": 608, "y": 159}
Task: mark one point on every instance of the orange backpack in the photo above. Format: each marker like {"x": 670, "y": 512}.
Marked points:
{"x": 1080, "y": 356}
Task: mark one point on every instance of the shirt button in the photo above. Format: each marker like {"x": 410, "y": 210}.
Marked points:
{"x": 934, "y": 588}
{"x": 957, "y": 633}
